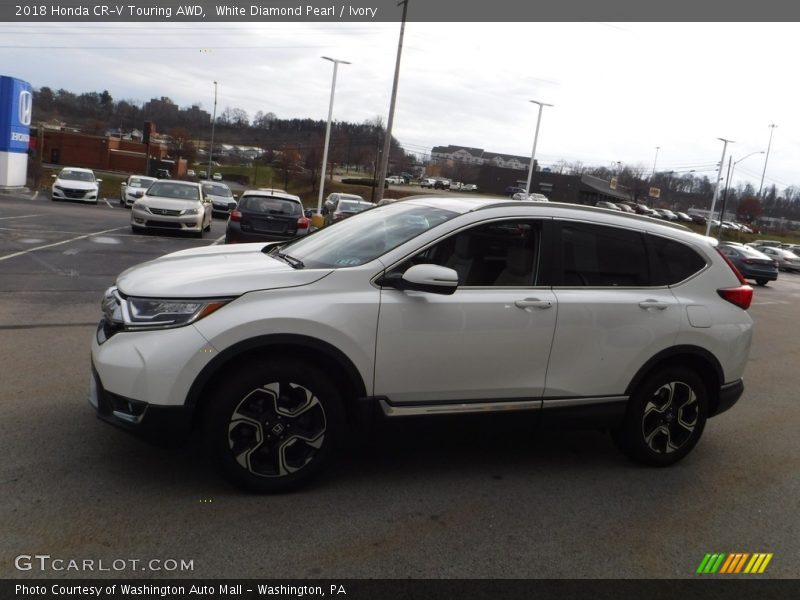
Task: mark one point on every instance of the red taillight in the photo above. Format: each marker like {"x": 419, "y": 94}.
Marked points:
{"x": 236, "y": 215}
{"x": 741, "y": 296}
{"x": 303, "y": 223}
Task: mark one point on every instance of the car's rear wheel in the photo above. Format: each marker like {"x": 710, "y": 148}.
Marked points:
{"x": 761, "y": 282}
{"x": 666, "y": 417}
{"x": 272, "y": 425}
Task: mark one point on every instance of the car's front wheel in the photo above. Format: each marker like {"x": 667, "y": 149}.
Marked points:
{"x": 665, "y": 418}
{"x": 761, "y": 282}
{"x": 271, "y": 425}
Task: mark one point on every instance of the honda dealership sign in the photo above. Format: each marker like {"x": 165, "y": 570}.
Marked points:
{"x": 16, "y": 105}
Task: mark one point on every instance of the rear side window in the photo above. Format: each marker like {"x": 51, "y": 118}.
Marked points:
{"x": 671, "y": 261}
{"x": 602, "y": 256}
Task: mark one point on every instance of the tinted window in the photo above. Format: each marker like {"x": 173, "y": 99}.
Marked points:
{"x": 672, "y": 261}
{"x": 502, "y": 253}
{"x": 597, "y": 255}
{"x": 270, "y": 206}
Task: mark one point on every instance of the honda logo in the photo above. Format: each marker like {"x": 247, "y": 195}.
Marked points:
{"x": 25, "y": 107}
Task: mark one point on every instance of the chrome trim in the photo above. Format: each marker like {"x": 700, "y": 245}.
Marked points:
{"x": 390, "y": 410}
{"x": 393, "y": 410}
{"x": 569, "y": 402}
{"x": 128, "y": 418}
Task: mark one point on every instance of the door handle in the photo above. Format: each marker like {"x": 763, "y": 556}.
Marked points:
{"x": 533, "y": 303}
{"x": 646, "y": 304}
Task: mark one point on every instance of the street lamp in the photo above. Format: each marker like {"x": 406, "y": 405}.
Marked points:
{"x": 731, "y": 170}
{"x": 654, "y": 163}
{"x": 533, "y": 152}
{"x": 716, "y": 184}
{"x": 328, "y": 129}
{"x": 213, "y": 123}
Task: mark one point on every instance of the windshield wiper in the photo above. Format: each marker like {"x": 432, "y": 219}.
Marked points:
{"x": 293, "y": 262}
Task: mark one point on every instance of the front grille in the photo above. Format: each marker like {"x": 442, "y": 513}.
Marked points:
{"x": 163, "y": 224}
{"x": 75, "y": 194}
{"x": 165, "y": 212}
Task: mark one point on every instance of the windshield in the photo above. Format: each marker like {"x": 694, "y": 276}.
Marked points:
{"x": 76, "y": 175}
{"x": 353, "y": 206}
{"x": 140, "y": 182}
{"x": 365, "y": 236}
{"x": 217, "y": 189}
{"x": 170, "y": 189}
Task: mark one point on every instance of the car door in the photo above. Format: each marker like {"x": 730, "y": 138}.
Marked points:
{"x": 611, "y": 319}
{"x": 489, "y": 340}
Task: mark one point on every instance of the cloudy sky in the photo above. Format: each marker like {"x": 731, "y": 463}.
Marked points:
{"x": 619, "y": 90}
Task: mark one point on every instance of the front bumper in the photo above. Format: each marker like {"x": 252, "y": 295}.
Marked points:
{"x": 73, "y": 194}
{"x": 141, "y": 219}
{"x": 157, "y": 423}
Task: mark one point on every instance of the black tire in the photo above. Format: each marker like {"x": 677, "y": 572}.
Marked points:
{"x": 272, "y": 425}
{"x": 761, "y": 282}
{"x": 665, "y": 418}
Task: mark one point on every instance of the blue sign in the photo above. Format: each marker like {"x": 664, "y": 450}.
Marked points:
{"x": 16, "y": 105}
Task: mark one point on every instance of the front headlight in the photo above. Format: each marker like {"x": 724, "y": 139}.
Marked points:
{"x": 190, "y": 211}
{"x": 136, "y": 314}
{"x": 156, "y": 313}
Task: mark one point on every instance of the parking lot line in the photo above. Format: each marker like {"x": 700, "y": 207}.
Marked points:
{"x": 18, "y": 217}
{"x": 219, "y": 240}
{"x": 75, "y": 239}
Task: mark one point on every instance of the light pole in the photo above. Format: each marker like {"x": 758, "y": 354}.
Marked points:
{"x": 716, "y": 184}
{"x": 213, "y": 123}
{"x": 653, "y": 176}
{"x": 533, "y": 152}
{"x": 766, "y": 158}
{"x": 731, "y": 170}
{"x": 328, "y": 129}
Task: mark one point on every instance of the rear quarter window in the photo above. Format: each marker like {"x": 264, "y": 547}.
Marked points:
{"x": 671, "y": 261}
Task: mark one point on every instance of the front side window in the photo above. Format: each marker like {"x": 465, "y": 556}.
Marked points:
{"x": 501, "y": 253}
{"x": 601, "y": 256}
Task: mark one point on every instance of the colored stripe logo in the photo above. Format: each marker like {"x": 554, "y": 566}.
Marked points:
{"x": 734, "y": 563}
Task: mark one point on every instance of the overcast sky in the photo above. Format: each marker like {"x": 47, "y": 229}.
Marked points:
{"x": 618, "y": 90}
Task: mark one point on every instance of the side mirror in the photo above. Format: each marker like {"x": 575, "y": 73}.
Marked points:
{"x": 99, "y": 180}
{"x": 123, "y": 184}
{"x": 54, "y": 176}
{"x": 433, "y": 279}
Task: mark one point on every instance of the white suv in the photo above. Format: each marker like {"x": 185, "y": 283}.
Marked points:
{"x": 430, "y": 306}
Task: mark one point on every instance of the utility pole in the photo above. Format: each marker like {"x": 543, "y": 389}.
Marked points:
{"x": 766, "y": 158}
{"x": 716, "y": 185}
{"x": 387, "y": 142}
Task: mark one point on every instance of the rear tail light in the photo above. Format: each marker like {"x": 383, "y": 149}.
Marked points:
{"x": 303, "y": 223}
{"x": 741, "y": 296}
{"x": 236, "y": 215}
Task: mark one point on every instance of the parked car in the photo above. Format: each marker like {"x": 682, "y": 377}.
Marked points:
{"x": 455, "y": 185}
{"x": 625, "y": 207}
{"x": 684, "y": 218}
{"x": 172, "y": 205}
{"x": 751, "y": 263}
{"x": 514, "y": 189}
{"x": 345, "y": 207}
{"x": 217, "y": 176}
{"x": 202, "y": 175}
{"x": 191, "y": 173}
{"x": 787, "y": 261}
{"x": 469, "y": 187}
{"x": 74, "y": 183}
{"x": 395, "y": 180}
{"x": 332, "y": 202}
{"x": 266, "y": 215}
{"x": 133, "y": 188}
{"x": 277, "y": 351}
{"x": 427, "y": 182}
{"x": 163, "y": 174}
{"x": 699, "y": 219}
{"x": 608, "y": 205}
{"x": 222, "y": 199}
{"x": 441, "y": 184}
{"x": 530, "y": 197}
